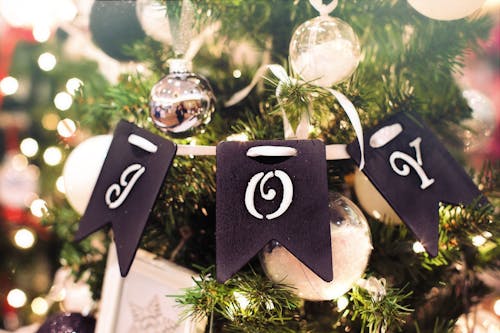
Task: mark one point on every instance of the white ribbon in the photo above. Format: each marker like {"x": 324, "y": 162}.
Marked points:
{"x": 351, "y": 112}
{"x": 302, "y": 130}
{"x": 333, "y": 152}
{"x": 324, "y": 10}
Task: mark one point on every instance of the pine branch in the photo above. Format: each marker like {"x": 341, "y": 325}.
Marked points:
{"x": 247, "y": 302}
{"x": 380, "y": 315}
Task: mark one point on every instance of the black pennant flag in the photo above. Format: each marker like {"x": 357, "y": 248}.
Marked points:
{"x": 414, "y": 172}
{"x": 131, "y": 176}
{"x": 272, "y": 190}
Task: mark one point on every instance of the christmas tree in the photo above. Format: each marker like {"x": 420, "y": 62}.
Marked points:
{"x": 204, "y": 72}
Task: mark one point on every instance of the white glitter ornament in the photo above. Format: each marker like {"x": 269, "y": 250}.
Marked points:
{"x": 446, "y": 10}
{"x": 351, "y": 248}
{"x": 324, "y": 51}
{"x": 82, "y": 169}
{"x": 372, "y": 201}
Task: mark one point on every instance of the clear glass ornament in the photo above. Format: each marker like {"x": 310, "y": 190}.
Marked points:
{"x": 446, "y": 10}
{"x": 324, "y": 51}
{"x": 351, "y": 248}
{"x": 372, "y": 201}
{"x": 181, "y": 101}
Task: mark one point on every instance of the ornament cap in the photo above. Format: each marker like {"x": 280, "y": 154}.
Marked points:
{"x": 178, "y": 65}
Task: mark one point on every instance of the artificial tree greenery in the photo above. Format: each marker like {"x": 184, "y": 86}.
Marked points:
{"x": 408, "y": 65}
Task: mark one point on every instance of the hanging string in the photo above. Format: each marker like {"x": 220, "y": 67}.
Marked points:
{"x": 302, "y": 130}
{"x": 324, "y": 10}
{"x": 181, "y": 27}
{"x": 333, "y": 152}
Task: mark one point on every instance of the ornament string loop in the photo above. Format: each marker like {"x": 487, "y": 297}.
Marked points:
{"x": 324, "y": 10}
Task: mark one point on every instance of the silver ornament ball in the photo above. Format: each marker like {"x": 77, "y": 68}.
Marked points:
{"x": 181, "y": 101}
{"x": 351, "y": 248}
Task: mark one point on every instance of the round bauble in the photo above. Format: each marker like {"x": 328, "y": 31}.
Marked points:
{"x": 372, "y": 201}
{"x": 478, "y": 130}
{"x": 82, "y": 169}
{"x": 68, "y": 323}
{"x": 154, "y": 20}
{"x": 446, "y": 10}
{"x": 324, "y": 51}
{"x": 181, "y": 102}
{"x": 351, "y": 248}
{"x": 114, "y": 25}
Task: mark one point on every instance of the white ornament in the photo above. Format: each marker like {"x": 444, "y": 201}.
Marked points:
{"x": 372, "y": 201}
{"x": 82, "y": 169}
{"x": 351, "y": 248}
{"x": 446, "y": 10}
{"x": 324, "y": 51}
{"x": 153, "y": 18}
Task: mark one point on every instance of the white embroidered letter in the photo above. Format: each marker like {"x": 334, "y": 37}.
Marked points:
{"x": 116, "y": 189}
{"x": 415, "y": 164}
{"x": 270, "y": 194}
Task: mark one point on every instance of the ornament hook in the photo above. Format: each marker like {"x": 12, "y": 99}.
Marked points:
{"x": 324, "y": 10}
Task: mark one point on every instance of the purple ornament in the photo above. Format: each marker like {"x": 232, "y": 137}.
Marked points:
{"x": 68, "y": 323}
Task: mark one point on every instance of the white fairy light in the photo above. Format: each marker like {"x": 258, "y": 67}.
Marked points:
{"x": 418, "y": 247}
{"x": 38, "y": 207}
{"x": 16, "y": 298}
{"x": 496, "y": 307}
{"x": 342, "y": 303}
{"x": 236, "y": 73}
{"x": 66, "y": 128}
{"x": 29, "y": 147}
{"x": 9, "y": 85}
{"x": 52, "y": 156}
{"x": 73, "y": 84}
{"x": 60, "y": 185}
{"x": 63, "y": 101}
{"x": 41, "y": 33}
{"x": 24, "y": 238}
{"x": 47, "y": 61}
{"x": 39, "y": 306}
